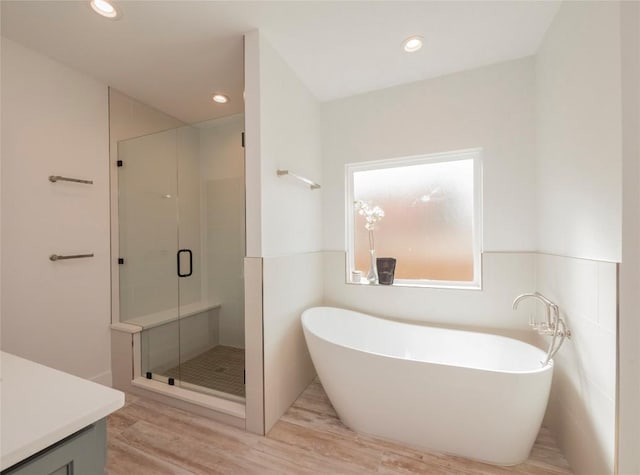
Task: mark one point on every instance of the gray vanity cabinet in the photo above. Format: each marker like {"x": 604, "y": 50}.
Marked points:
{"x": 83, "y": 453}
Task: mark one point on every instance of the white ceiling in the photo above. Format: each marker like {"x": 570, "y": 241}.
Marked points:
{"x": 174, "y": 54}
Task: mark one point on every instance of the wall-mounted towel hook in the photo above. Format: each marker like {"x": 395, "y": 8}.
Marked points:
{"x": 312, "y": 184}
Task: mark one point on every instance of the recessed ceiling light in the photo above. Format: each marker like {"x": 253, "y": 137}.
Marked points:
{"x": 412, "y": 44}
{"x": 104, "y": 8}
{"x": 220, "y": 98}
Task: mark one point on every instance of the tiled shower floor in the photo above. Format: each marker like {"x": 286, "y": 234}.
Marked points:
{"x": 220, "y": 368}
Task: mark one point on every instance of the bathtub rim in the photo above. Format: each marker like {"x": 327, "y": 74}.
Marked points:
{"x": 548, "y": 367}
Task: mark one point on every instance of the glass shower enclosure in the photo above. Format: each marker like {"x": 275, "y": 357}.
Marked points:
{"x": 181, "y": 217}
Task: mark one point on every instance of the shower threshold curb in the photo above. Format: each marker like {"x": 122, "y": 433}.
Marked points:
{"x": 224, "y": 406}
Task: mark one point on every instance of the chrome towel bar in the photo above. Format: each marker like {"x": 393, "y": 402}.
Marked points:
{"x": 312, "y": 184}
{"x": 54, "y": 178}
{"x": 56, "y": 257}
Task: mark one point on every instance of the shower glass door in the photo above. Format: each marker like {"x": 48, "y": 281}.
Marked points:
{"x": 211, "y": 239}
{"x": 148, "y": 240}
{"x": 182, "y": 245}
{"x": 198, "y": 321}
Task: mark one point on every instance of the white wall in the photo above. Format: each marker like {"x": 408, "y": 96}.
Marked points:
{"x": 289, "y": 139}
{"x": 129, "y": 118}
{"x": 505, "y": 275}
{"x": 579, "y": 129}
{"x": 578, "y": 81}
{"x": 283, "y": 131}
{"x": 581, "y": 410}
{"x": 54, "y": 122}
{"x": 491, "y": 108}
{"x": 1, "y": 152}
{"x": 629, "y": 321}
{"x": 291, "y": 285}
{"x": 253, "y": 286}
{"x": 253, "y": 148}
{"x": 223, "y": 189}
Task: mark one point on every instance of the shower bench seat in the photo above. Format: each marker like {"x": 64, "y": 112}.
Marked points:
{"x": 163, "y": 317}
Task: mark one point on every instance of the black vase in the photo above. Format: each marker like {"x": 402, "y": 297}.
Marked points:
{"x": 386, "y": 268}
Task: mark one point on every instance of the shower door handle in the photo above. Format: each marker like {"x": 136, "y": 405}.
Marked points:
{"x": 190, "y": 262}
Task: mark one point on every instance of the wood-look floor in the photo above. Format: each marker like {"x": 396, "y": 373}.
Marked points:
{"x": 146, "y": 437}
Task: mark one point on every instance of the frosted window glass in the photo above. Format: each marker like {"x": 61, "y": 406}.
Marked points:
{"x": 428, "y": 223}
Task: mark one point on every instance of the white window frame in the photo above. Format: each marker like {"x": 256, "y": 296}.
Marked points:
{"x": 476, "y": 155}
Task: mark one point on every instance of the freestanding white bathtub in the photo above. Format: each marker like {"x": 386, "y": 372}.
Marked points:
{"x": 471, "y": 394}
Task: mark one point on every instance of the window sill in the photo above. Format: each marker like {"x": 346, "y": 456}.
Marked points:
{"x": 422, "y": 285}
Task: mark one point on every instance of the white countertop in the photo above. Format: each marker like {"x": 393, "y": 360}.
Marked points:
{"x": 40, "y": 406}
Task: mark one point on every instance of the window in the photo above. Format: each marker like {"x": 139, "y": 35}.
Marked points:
{"x": 424, "y": 211}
